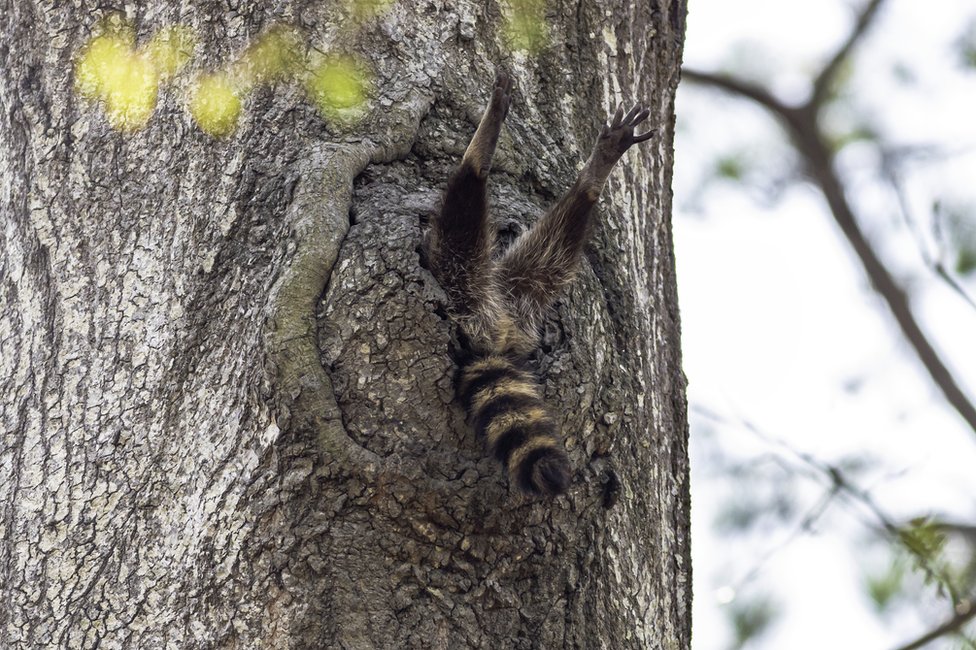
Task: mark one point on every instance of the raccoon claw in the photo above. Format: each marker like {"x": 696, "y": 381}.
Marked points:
{"x": 618, "y": 136}
{"x": 617, "y": 117}
{"x": 501, "y": 97}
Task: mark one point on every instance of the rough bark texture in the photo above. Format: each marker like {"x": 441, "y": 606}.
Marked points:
{"x": 227, "y": 379}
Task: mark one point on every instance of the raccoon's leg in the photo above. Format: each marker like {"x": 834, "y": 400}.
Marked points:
{"x": 460, "y": 239}
{"x": 503, "y": 400}
{"x": 543, "y": 260}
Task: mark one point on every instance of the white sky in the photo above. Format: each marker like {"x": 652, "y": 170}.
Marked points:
{"x": 780, "y": 327}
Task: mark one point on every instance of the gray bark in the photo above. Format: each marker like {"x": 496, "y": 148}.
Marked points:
{"x": 227, "y": 379}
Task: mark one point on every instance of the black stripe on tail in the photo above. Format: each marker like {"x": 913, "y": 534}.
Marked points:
{"x": 505, "y": 405}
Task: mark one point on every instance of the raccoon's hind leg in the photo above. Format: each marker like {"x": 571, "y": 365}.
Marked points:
{"x": 460, "y": 241}
{"x": 543, "y": 260}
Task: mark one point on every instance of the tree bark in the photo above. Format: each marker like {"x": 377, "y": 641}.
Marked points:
{"x": 228, "y": 408}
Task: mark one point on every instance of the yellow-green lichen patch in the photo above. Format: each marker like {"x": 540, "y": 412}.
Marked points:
{"x": 338, "y": 85}
{"x": 215, "y": 104}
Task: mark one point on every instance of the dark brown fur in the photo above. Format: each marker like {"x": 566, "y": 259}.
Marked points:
{"x": 499, "y": 304}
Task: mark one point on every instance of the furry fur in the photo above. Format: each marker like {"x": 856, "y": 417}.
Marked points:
{"x": 499, "y": 304}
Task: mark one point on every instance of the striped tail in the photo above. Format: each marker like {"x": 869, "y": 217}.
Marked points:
{"x": 505, "y": 404}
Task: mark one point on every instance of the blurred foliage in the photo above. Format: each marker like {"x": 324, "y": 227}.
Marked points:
{"x": 928, "y": 552}
{"x": 925, "y": 540}
{"x": 931, "y": 575}
{"x": 885, "y": 588}
{"x": 965, "y": 45}
{"x": 960, "y": 224}
{"x": 275, "y": 56}
{"x": 525, "y": 25}
{"x": 768, "y": 496}
{"x": 366, "y": 9}
{"x": 751, "y": 618}
{"x": 125, "y": 79}
{"x": 170, "y": 49}
{"x": 215, "y": 104}
{"x": 338, "y": 85}
{"x": 858, "y": 132}
{"x": 966, "y": 261}
{"x": 112, "y": 71}
{"x": 922, "y": 539}
{"x": 731, "y": 167}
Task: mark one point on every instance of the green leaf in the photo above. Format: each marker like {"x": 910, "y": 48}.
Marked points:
{"x": 961, "y": 227}
{"x": 885, "y": 587}
{"x": 965, "y": 46}
{"x": 965, "y": 261}
{"x": 923, "y": 539}
{"x": 731, "y": 167}
{"x": 751, "y": 619}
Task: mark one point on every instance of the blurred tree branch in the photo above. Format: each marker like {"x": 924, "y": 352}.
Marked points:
{"x": 964, "y": 614}
{"x": 968, "y": 531}
{"x": 821, "y": 84}
{"x": 839, "y": 483}
{"x": 802, "y": 123}
{"x": 735, "y": 86}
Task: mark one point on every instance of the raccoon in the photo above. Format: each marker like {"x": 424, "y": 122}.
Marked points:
{"x": 499, "y": 302}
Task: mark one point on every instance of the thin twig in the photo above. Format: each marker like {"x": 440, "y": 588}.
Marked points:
{"x": 840, "y": 484}
{"x": 889, "y": 168}
{"x": 964, "y": 614}
{"x": 805, "y": 525}
{"x": 823, "y": 80}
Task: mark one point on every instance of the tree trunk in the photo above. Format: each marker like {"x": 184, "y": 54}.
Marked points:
{"x": 228, "y": 407}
